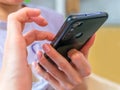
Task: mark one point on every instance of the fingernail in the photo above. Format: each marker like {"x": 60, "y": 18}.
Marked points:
{"x": 46, "y": 47}
{"x": 45, "y": 22}
{"x": 39, "y": 55}
{"x": 53, "y": 36}
{"x": 34, "y": 64}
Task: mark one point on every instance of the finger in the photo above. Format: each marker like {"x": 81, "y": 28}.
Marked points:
{"x": 30, "y": 15}
{"x": 62, "y": 63}
{"x": 45, "y": 75}
{"x": 80, "y": 62}
{"x": 36, "y": 35}
{"x": 54, "y": 71}
{"x": 27, "y": 15}
{"x": 87, "y": 46}
{"x": 39, "y": 20}
{"x": 17, "y": 19}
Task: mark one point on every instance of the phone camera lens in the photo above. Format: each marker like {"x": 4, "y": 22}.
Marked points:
{"x": 78, "y": 35}
{"x": 77, "y": 24}
{"x": 72, "y": 29}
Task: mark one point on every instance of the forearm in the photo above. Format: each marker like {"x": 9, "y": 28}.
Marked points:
{"x": 9, "y": 86}
{"x": 82, "y": 86}
{"x": 12, "y": 82}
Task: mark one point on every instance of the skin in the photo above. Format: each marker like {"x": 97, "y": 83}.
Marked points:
{"x": 9, "y": 6}
{"x": 66, "y": 76}
{"x": 16, "y": 73}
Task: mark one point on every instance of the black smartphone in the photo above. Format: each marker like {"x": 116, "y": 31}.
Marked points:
{"x": 77, "y": 30}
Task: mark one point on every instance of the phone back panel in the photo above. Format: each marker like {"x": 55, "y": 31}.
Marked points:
{"x": 77, "y": 30}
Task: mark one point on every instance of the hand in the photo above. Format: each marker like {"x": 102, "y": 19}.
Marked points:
{"x": 16, "y": 73}
{"x": 66, "y": 76}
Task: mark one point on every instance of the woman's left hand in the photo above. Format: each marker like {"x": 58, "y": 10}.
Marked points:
{"x": 65, "y": 76}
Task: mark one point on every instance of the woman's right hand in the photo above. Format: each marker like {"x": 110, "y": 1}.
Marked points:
{"x": 16, "y": 73}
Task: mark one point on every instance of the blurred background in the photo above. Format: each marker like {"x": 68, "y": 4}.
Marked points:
{"x": 105, "y": 54}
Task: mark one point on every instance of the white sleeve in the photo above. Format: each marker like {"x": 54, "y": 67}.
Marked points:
{"x": 95, "y": 82}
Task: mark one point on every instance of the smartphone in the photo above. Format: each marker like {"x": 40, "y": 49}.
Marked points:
{"x": 76, "y": 31}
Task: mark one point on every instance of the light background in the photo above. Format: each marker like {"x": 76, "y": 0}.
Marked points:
{"x": 110, "y": 6}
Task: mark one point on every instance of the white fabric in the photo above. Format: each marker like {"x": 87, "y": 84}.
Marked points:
{"x": 95, "y": 82}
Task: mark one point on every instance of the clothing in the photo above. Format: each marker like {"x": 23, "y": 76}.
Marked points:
{"x": 95, "y": 82}
{"x": 54, "y": 23}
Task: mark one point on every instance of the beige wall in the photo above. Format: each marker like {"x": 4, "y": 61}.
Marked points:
{"x": 105, "y": 53}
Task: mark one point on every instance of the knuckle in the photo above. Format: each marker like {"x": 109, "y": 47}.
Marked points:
{"x": 53, "y": 54}
{"x": 54, "y": 73}
{"x": 63, "y": 65}
{"x": 77, "y": 82}
{"x": 76, "y": 55}
{"x": 47, "y": 76}
{"x": 42, "y": 61}
{"x": 88, "y": 72}
{"x": 34, "y": 32}
{"x": 69, "y": 87}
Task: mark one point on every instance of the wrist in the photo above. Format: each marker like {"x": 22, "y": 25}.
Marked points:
{"x": 82, "y": 86}
{"x": 14, "y": 83}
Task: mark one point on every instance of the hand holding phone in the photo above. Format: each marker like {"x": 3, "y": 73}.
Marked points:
{"x": 74, "y": 33}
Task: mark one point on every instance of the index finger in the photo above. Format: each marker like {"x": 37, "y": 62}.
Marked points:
{"x": 36, "y": 35}
{"x": 88, "y": 45}
{"x": 17, "y": 19}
